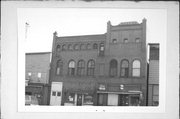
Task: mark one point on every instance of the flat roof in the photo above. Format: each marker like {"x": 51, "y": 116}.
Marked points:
{"x": 32, "y": 53}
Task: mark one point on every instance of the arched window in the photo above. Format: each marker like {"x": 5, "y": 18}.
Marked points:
{"x": 124, "y": 68}
{"x": 59, "y": 67}
{"x": 64, "y": 47}
{"x": 101, "y": 49}
{"x": 70, "y": 47}
{"x": 137, "y": 40}
{"x": 114, "y": 40}
{"x": 88, "y": 46}
{"x": 71, "y": 68}
{"x": 113, "y": 68}
{"x": 58, "y": 48}
{"x": 95, "y": 46}
{"x": 76, "y": 47}
{"x": 90, "y": 68}
{"x": 136, "y": 68}
{"x": 82, "y": 47}
{"x": 125, "y": 40}
{"x": 81, "y": 68}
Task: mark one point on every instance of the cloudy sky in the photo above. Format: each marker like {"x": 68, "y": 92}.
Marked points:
{"x": 82, "y": 21}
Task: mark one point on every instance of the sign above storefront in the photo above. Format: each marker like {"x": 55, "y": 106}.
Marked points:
{"x": 102, "y": 87}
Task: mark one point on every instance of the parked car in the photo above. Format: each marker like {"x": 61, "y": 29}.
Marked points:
{"x": 31, "y": 100}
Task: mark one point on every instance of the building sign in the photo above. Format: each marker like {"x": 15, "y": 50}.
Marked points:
{"x": 102, "y": 87}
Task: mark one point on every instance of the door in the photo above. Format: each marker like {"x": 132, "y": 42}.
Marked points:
{"x": 56, "y": 93}
{"x": 112, "y": 99}
{"x": 134, "y": 100}
{"x": 123, "y": 100}
{"x": 79, "y": 99}
{"x": 100, "y": 99}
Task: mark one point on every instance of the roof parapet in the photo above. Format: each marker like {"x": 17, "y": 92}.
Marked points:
{"x": 129, "y": 23}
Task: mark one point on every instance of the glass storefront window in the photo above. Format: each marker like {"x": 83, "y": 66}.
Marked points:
{"x": 70, "y": 98}
{"x": 134, "y": 101}
{"x": 88, "y": 99}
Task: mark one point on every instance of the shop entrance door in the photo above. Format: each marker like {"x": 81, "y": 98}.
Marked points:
{"x": 102, "y": 99}
{"x": 79, "y": 99}
{"x": 134, "y": 100}
{"x": 123, "y": 100}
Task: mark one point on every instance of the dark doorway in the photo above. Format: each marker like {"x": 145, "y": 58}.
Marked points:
{"x": 123, "y": 100}
{"x": 79, "y": 99}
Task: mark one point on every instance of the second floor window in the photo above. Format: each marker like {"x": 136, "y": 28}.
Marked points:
{"x": 136, "y": 68}
{"x": 124, "y": 68}
{"x": 90, "y": 68}
{"x": 71, "y": 68}
{"x": 113, "y": 68}
{"x": 59, "y": 67}
{"x": 81, "y": 68}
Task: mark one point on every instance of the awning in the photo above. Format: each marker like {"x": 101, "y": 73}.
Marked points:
{"x": 129, "y": 92}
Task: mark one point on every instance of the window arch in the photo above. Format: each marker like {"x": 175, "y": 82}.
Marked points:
{"x": 70, "y": 47}
{"x": 124, "y": 68}
{"x": 114, "y": 40}
{"x": 81, "y": 68}
{"x": 58, "y": 48}
{"x": 59, "y": 67}
{"x": 95, "y": 46}
{"x": 88, "y": 46}
{"x": 76, "y": 47}
{"x": 90, "y": 67}
{"x": 136, "y": 68}
{"x": 64, "y": 47}
{"x": 82, "y": 47}
{"x": 71, "y": 67}
{"x": 137, "y": 40}
{"x": 125, "y": 40}
{"x": 113, "y": 68}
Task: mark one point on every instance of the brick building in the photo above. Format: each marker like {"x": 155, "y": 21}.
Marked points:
{"x": 106, "y": 69}
{"x": 153, "y": 77}
{"x": 37, "y": 76}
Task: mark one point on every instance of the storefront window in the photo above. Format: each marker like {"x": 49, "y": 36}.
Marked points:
{"x": 88, "y": 99}
{"x": 71, "y": 98}
{"x": 123, "y": 100}
{"x": 134, "y": 100}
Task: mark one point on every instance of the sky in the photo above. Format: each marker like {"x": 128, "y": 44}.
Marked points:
{"x": 43, "y": 22}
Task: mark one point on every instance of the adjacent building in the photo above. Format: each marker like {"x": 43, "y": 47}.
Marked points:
{"x": 153, "y": 77}
{"x": 37, "y": 76}
{"x": 107, "y": 69}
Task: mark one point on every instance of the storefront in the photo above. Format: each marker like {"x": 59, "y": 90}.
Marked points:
{"x": 72, "y": 98}
{"x": 118, "y": 97}
{"x": 35, "y": 91}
